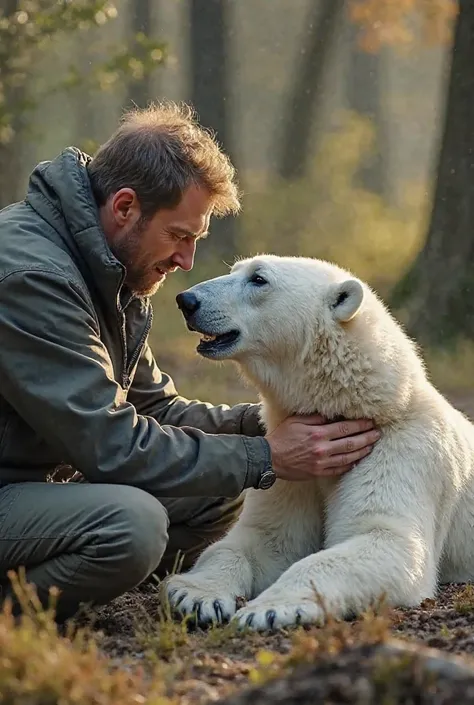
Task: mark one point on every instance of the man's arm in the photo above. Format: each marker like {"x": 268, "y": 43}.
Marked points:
{"x": 57, "y": 374}
{"x": 153, "y": 393}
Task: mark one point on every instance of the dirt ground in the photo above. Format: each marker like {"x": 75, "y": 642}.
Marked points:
{"x": 342, "y": 664}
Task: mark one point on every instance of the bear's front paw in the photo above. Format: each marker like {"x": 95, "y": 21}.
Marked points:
{"x": 282, "y": 611}
{"x": 200, "y": 597}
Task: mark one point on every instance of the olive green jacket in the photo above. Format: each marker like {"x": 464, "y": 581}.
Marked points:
{"x": 78, "y": 381}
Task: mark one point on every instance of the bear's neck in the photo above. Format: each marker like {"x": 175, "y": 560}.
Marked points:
{"x": 350, "y": 392}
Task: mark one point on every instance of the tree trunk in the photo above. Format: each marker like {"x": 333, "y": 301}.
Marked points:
{"x": 139, "y": 90}
{"x": 209, "y": 65}
{"x": 10, "y": 151}
{"x": 306, "y": 92}
{"x": 210, "y": 89}
{"x": 437, "y": 291}
{"x": 86, "y": 114}
{"x": 364, "y": 89}
{"x": 10, "y": 171}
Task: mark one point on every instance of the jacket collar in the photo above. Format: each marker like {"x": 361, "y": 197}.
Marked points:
{"x": 60, "y": 191}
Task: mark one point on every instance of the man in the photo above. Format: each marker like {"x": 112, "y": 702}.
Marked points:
{"x": 79, "y": 259}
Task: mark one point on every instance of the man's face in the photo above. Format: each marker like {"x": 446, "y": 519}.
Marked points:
{"x": 150, "y": 249}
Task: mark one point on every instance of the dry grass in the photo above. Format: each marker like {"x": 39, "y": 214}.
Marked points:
{"x": 40, "y": 666}
{"x": 464, "y": 602}
{"x": 157, "y": 661}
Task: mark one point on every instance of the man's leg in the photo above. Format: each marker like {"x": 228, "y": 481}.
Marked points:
{"x": 93, "y": 542}
{"x": 195, "y": 523}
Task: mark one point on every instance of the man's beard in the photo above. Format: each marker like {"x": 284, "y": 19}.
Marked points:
{"x": 141, "y": 276}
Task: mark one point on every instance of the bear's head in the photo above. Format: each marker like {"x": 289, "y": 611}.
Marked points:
{"x": 308, "y": 334}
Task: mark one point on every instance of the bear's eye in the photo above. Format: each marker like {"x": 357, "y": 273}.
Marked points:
{"x": 257, "y": 280}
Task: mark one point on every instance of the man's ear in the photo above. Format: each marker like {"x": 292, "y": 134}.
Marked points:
{"x": 125, "y": 207}
{"x": 345, "y": 299}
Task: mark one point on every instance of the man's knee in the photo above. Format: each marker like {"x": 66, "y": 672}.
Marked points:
{"x": 207, "y": 522}
{"x": 138, "y": 529}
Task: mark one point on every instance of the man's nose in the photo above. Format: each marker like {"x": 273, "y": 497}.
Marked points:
{"x": 188, "y": 303}
{"x": 184, "y": 257}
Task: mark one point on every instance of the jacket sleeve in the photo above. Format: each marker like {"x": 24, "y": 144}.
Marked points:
{"x": 57, "y": 374}
{"x": 153, "y": 393}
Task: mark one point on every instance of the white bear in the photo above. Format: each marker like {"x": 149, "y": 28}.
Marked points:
{"x": 313, "y": 338}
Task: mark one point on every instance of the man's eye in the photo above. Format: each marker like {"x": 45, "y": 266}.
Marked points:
{"x": 257, "y": 280}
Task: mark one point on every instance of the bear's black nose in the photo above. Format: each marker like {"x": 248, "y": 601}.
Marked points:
{"x": 188, "y": 303}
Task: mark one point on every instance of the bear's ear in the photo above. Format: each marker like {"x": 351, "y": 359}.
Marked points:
{"x": 345, "y": 299}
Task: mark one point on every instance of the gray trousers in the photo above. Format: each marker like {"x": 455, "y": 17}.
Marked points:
{"x": 94, "y": 542}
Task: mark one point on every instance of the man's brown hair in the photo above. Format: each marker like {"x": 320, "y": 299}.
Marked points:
{"x": 159, "y": 152}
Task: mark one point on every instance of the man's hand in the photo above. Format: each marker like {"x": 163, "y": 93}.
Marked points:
{"x": 304, "y": 447}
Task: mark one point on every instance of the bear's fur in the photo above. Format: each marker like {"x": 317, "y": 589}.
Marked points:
{"x": 314, "y": 339}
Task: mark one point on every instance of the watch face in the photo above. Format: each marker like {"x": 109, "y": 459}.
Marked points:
{"x": 267, "y": 480}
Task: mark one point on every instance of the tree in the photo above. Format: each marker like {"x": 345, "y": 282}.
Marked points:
{"x": 140, "y": 11}
{"x": 209, "y": 65}
{"x": 28, "y": 27}
{"x": 378, "y": 22}
{"x": 390, "y": 22}
{"x": 12, "y": 93}
{"x": 364, "y": 92}
{"x": 437, "y": 289}
{"x": 210, "y": 86}
{"x": 306, "y": 90}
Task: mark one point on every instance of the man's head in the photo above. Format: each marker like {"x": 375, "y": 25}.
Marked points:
{"x": 157, "y": 181}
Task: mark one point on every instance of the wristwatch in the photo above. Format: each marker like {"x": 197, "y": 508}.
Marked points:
{"x": 267, "y": 478}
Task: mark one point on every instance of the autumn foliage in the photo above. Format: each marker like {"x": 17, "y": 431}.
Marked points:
{"x": 398, "y": 22}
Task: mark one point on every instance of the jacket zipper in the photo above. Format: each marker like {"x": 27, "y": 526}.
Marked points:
{"x": 123, "y": 336}
{"x": 138, "y": 350}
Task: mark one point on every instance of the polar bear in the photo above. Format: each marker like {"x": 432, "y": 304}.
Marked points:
{"x": 313, "y": 338}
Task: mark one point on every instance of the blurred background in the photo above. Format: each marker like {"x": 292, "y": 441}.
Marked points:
{"x": 351, "y": 123}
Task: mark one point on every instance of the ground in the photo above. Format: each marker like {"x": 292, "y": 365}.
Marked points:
{"x": 341, "y": 663}
{"x": 204, "y": 667}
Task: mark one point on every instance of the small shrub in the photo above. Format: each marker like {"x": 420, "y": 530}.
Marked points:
{"x": 39, "y": 666}
{"x": 464, "y": 601}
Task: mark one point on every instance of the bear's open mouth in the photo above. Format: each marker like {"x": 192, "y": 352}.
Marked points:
{"x": 213, "y": 344}
{"x": 216, "y": 343}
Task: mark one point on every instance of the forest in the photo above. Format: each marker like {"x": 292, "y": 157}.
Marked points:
{"x": 348, "y": 121}
{"x": 351, "y": 125}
